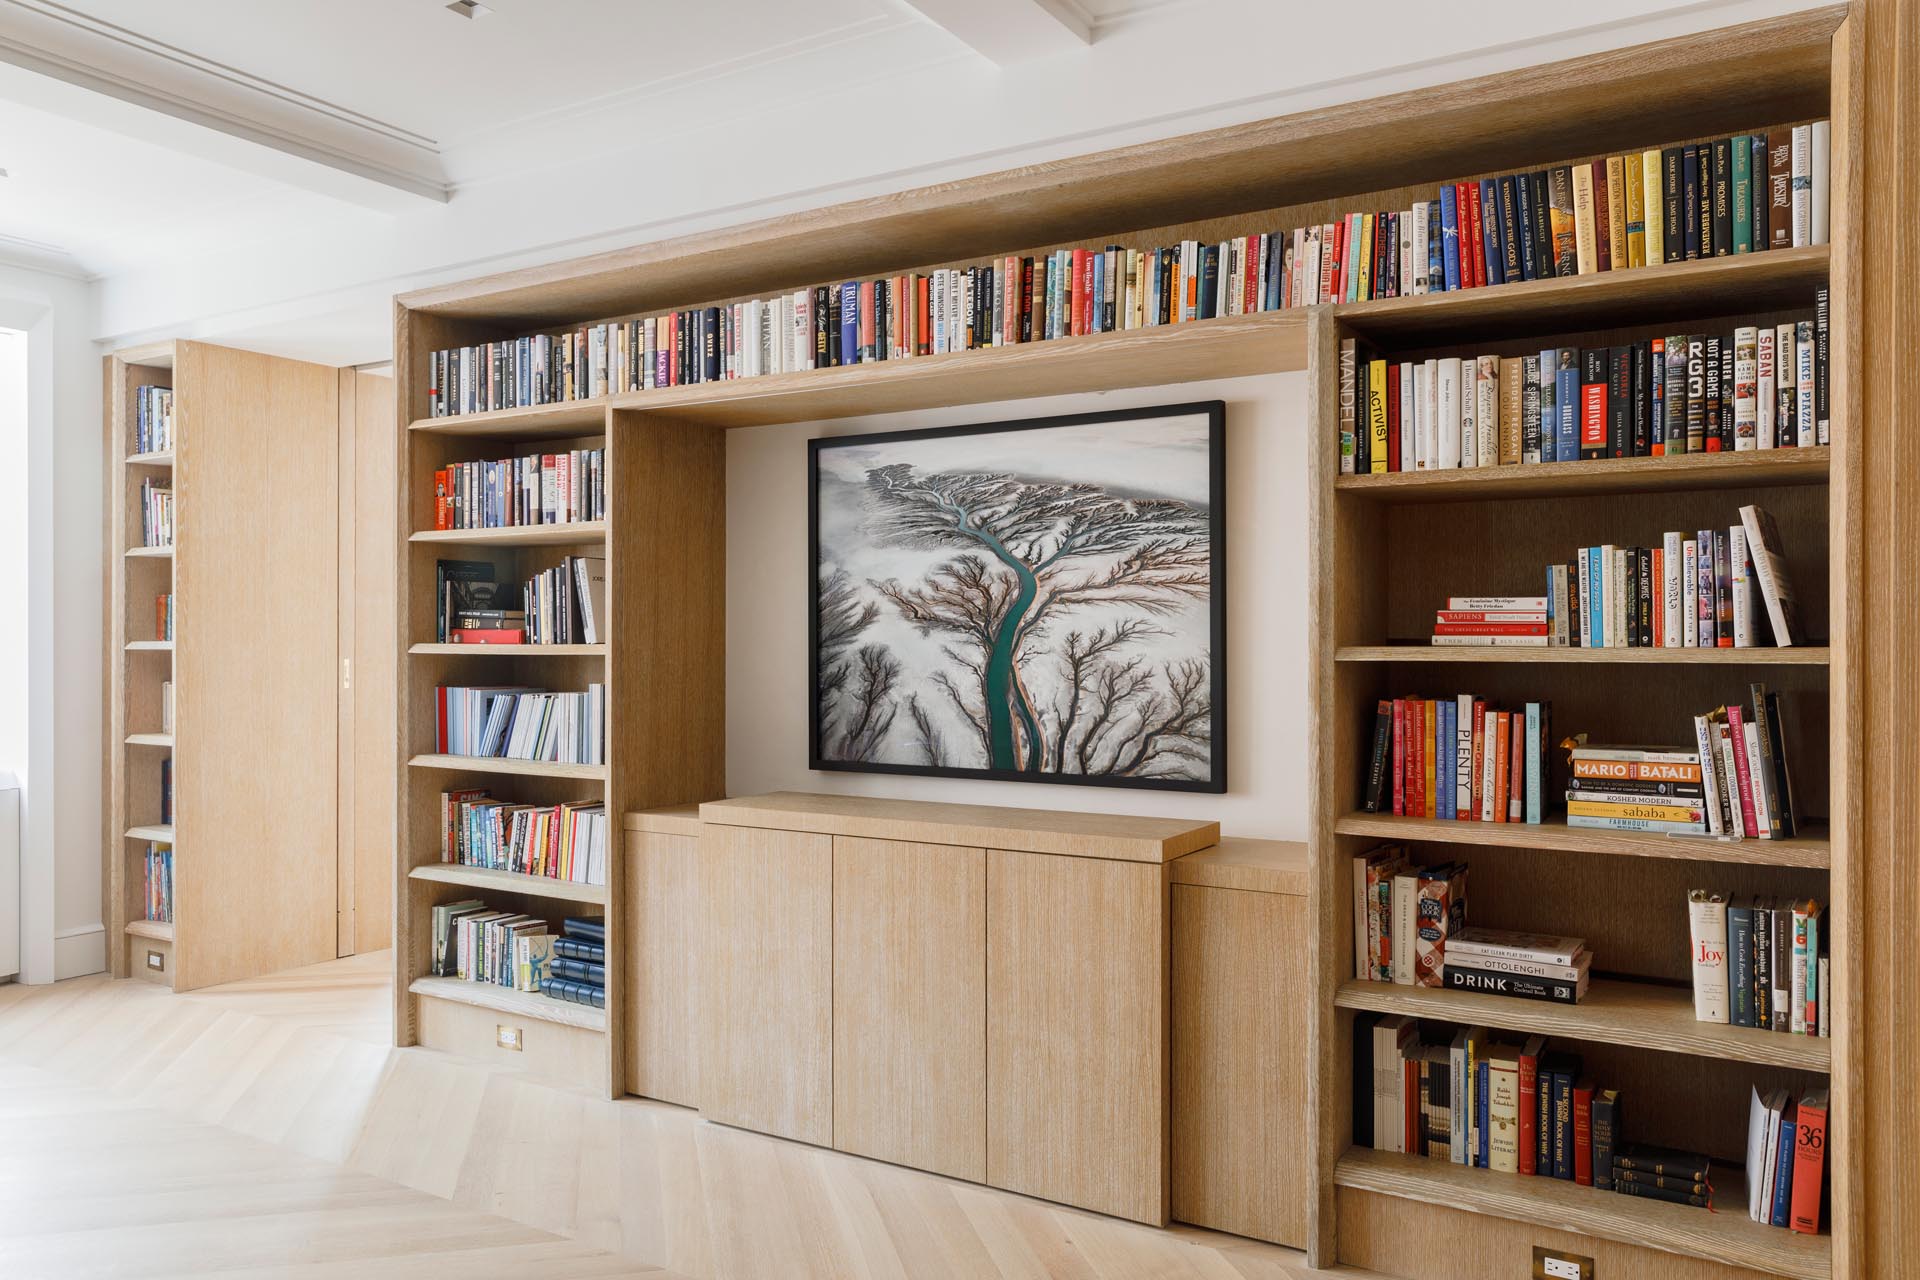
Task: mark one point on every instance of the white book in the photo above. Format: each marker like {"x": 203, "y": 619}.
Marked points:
{"x": 1459, "y": 1095}
{"x": 1821, "y": 202}
{"x": 1513, "y": 944}
{"x": 1406, "y": 926}
{"x": 1764, "y": 387}
{"x": 1498, "y": 604}
{"x": 1745, "y": 372}
{"x": 1497, "y": 642}
{"x": 1409, "y": 413}
{"x": 1802, "y": 186}
{"x": 1729, "y": 778}
{"x": 1803, "y": 355}
{"x": 1689, "y": 594}
{"x": 1443, "y": 444}
{"x": 1707, "y": 927}
{"x": 590, "y": 581}
{"x": 1756, "y": 1152}
{"x": 1486, "y": 414}
{"x": 1420, "y": 236}
{"x": 1741, "y": 588}
{"x": 1463, "y": 754}
{"x": 1797, "y": 998}
{"x": 1503, "y": 1109}
{"x": 1310, "y": 274}
{"x": 1405, "y": 224}
{"x": 1446, "y": 401}
{"x": 1489, "y": 732}
{"x": 1391, "y": 1037}
{"x": 1825, "y": 988}
{"x": 1762, "y": 808}
{"x": 1587, "y": 587}
{"x": 1467, "y": 404}
{"x": 1776, "y": 1104}
{"x": 1672, "y": 558}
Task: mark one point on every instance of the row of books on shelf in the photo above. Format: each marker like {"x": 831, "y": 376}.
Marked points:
{"x": 1459, "y": 1095}
{"x": 1651, "y": 207}
{"x": 1759, "y": 961}
{"x": 539, "y": 488}
{"x": 561, "y": 605}
{"x": 1726, "y": 588}
{"x": 163, "y": 616}
{"x": 156, "y": 513}
{"x": 156, "y": 883}
{"x": 514, "y": 722}
{"x": 1735, "y": 782}
{"x": 153, "y": 419}
{"x": 566, "y": 842}
{"x": 478, "y": 943}
{"x": 1457, "y": 758}
{"x": 1752, "y": 387}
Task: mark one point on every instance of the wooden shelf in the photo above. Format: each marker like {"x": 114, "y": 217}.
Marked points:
{"x": 1687, "y": 471}
{"x": 138, "y": 553}
{"x": 510, "y": 882}
{"x": 498, "y": 764}
{"x": 1726, "y": 1235}
{"x": 513, "y": 650}
{"x": 1226, "y": 347}
{"x": 150, "y": 740}
{"x": 524, "y": 1004}
{"x": 1797, "y": 656}
{"x": 1642, "y": 1014}
{"x": 150, "y": 646}
{"x": 1809, "y": 850}
{"x": 159, "y": 833}
{"x": 159, "y": 930}
{"x": 160, "y": 458}
{"x": 523, "y": 535}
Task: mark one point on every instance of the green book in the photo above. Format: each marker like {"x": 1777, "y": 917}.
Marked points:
{"x": 1743, "y": 194}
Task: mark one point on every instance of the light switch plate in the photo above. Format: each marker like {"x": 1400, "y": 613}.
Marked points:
{"x": 1551, "y": 1264}
{"x": 507, "y": 1037}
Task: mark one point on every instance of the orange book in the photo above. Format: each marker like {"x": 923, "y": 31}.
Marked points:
{"x": 1809, "y": 1164}
{"x": 1479, "y": 756}
{"x": 1503, "y": 746}
{"x": 442, "y": 499}
{"x": 159, "y": 617}
{"x": 1517, "y": 761}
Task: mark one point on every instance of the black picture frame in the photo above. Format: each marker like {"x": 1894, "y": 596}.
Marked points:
{"x": 1216, "y": 781}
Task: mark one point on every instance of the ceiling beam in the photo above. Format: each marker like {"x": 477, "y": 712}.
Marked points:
{"x": 58, "y": 59}
{"x": 1005, "y": 32}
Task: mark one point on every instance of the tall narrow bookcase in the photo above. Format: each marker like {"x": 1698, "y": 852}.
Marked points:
{"x": 1382, "y": 547}
{"x": 1389, "y": 549}
{"x": 251, "y": 661}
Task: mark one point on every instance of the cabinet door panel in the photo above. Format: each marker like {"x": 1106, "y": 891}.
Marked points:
{"x": 665, "y": 966}
{"x": 909, "y": 1011}
{"x": 768, "y": 1054}
{"x": 1076, "y": 1031}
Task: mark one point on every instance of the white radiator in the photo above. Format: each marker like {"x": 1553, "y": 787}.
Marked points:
{"x": 9, "y": 875}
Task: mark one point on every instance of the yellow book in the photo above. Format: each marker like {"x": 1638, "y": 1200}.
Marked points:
{"x": 1636, "y": 212}
{"x": 1639, "y": 812}
{"x": 1585, "y": 243}
{"x": 1616, "y": 214}
{"x": 1366, "y": 256}
{"x": 1377, "y": 413}
{"x": 1653, "y": 207}
{"x": 1432, "y": 723}
{"x": 1511, "y": 370}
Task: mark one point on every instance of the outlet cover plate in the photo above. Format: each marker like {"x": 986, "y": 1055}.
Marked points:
{"x": 1552, "y": 1264}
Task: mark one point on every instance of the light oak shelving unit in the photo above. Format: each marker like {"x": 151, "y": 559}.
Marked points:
{"x": 663, "y": 534}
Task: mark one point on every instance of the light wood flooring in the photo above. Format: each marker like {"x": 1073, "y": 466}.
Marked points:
{"x": 268, "y": 1128}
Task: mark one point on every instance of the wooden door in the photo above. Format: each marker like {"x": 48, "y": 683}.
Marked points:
{"x": 665, "y": 965}
{"x": 364, "y": 678}
{"x": 1077, "y": 1031}
{"x": 767, "y": 1055}
{"x": 910, "y": 1004}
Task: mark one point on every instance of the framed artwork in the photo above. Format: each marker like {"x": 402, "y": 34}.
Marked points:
{"x": 1032, "y": 601}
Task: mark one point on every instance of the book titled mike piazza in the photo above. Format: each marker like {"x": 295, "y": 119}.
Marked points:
{"x": 1525, "y": 966}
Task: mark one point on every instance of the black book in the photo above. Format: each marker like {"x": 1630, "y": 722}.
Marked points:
{"x": 1660, "y": 1193}
{"x": 1523, "y": 220}
{"x": 1783, "y": 775}
{"x": 1646, "y": 787}
{"x": 1822, "y": 411}
{"x": 1363, "y": 1025}
{"x": 1620, "y": 402}
{"x": 1606, "y": 1132}
{"x": 466, "y": 586}
{"x": 1642, "y": 1157}
{"x": 1673, "y": 238}
{"x": 1573, "y": 605}
{"x": 1377, "y": 763}
{"x": 822, "y": 356}
{"x": 1511, "y": 252}
{"x": 1723, "y": 198}
{"x": 579, "y": 949}
{"x": 1758, "y": 195}
{"x": 590, "y": 930}
{"x": 1690, "y": 203}
{"x": 577, "y": 970}
{"x": 1642, "y": 402}
{"x": 1666, "y": 1182}
{"x": 1644, "y": 573}
{"x": 1117, "y": 284}
{"x": 1543, "y": 266}
{"x": 1026, "y": 300}
{"x": 1726, "y": 394}
{"x": 1630, "y": 589}
{"x": 1519, "y": 986}
{"x": 1209, "y": 278}
{"x": 1710, "y": 390}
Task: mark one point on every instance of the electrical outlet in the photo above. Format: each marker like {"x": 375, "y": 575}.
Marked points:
{"x": 157, "y": 961}
{"x": 1550, "y": 1264}
{"x": 507, "y": 1037}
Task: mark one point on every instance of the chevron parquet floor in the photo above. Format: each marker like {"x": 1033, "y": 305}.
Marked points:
{"x": 266, "y": 1128}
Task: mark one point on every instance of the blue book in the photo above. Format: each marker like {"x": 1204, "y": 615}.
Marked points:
{"x": 1563, "y": 1124}
{"x": 710, "y": 335}
{"x": 1508, "y": 216}
{"x": 1596, "y": 597}
{"x": 1450, "y": 236}
{"x": 1533, "y": 762}
{"x": 850, "y": 323}
{"x": 1097, "y": 308}
{"x": 1276, "y": 255}
{"x": 1490, "y": 230}
{"x": 1566, "y": 403}
{"x": 1480, "y": 1120}
{"x": 1436, "y": 260}
{"x": 1783, "y": 1167}
{"x": 1549, "y": 415}
{"x": 1445, "y": 758}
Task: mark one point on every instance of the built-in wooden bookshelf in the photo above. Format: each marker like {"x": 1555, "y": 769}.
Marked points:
{"x": 1388, "y": 549}
{"x": 663, "y": 531}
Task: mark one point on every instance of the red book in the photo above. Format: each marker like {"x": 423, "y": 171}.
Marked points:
{"x": 1517, "y": 762}
{"x": 1736, "y": 730}
{"x": 1490, "y": 615}
{"x": 1251, "y": 298}
{"x": 489, "y": 635}
{"x": 1479, "y": 246}
{"x": 1809, "y": 1164}
{"x": 1583, "y": 1133}
{"x": 923, "y": 313}
{"x": 1529, "y": 1106}
{"x": 1480, "y": 745}
{"x": 1077, "y": 295}
{"x": 1593, "y": 416}
{"x": 1400, "y": 757}
{"x": 440, "y": 720}
{"x": 1393, "y": 417}
{"x": 1502, "y": 747}
{"x": 442, "y": 499}
{"x": 1417, "y": 758}
{"x": 1659, "y": 603}
{"x": 1412, "y": 1091}
{"x": 1337, "y": 242}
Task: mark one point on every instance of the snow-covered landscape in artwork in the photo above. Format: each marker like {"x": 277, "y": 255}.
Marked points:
{"x": 1027, "y": 600}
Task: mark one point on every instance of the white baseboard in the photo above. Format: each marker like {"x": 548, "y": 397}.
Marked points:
{"x": 79, "y": 950}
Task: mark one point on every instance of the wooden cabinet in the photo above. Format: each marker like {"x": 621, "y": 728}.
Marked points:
{"x": 1076, "y": 1031}
{"x": 663, "y": 959}
{"x": 1241, "y": 1161}
{"x": 910, "y": 1004}
{"x": 768, "y": 1026}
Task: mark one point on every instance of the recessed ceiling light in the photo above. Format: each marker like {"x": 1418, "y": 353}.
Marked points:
{"x": 469, "y": 8}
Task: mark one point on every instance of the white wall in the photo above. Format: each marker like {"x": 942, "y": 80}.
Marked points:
{"x": 767, "y": 602}
{"x": 61, "y": 931}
